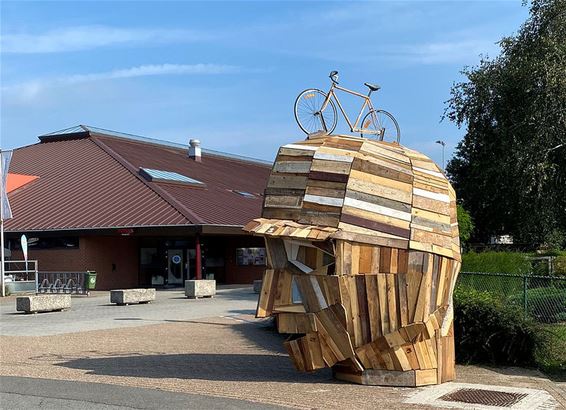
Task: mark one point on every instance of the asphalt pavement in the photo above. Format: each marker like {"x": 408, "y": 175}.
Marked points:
{"x": 29, "y": 393}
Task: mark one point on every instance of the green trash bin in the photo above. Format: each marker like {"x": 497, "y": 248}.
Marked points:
{"x": 90, "y": 279}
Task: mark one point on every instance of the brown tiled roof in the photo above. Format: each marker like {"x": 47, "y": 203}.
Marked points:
{"x": 92, "y": 180}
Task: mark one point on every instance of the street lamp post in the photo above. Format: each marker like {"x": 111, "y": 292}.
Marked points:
{"x": 443, "y": 145}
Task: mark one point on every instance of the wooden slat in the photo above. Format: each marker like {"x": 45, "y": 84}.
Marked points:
{"x": 372, "y": 298}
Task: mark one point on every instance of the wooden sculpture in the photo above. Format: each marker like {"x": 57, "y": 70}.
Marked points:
{"x": 363, "y": 253}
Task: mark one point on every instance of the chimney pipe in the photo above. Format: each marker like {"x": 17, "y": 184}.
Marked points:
{"x": 194, "y": 150}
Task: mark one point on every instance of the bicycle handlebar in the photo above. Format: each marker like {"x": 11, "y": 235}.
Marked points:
{"x": 334, "y": 76}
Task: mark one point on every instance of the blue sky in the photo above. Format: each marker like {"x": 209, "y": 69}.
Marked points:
{"x": 228, "y": 72}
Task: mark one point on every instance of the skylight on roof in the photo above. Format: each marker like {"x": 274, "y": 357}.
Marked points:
{"x": 157, "y": 175}
{"x": 244, "y": 194}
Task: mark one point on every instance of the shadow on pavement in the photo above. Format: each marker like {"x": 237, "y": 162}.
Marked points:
{"x": 222, "y": 367}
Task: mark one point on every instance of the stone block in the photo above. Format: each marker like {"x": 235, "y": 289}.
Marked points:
{"x": 202, "y": 288}
{"x": 257, "y": 286}
{"x": 129, "y": 296}
{"x": 43, "y": 303}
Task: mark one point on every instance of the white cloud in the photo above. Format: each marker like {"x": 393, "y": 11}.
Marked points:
{"x": 28, "y": 90}
{"x": 89, "y": 37}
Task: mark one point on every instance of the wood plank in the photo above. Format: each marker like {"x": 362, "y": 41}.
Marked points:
{"x": 378, "y": 209}
{"x": 431, "y": 205}
{"x": 381, "y": 181}
{"x": 328, "y": 176}
{"x": 327, "y": 192}
{"x": 375, "y": 260}
{"x": 363, "y": 308}
{"x": 372, "y": 216}
{"x": 411, "y": 356}
{"x": 366, "y": 253}
{"x": 272, "y": 201}
{"x": 295, "y": 354}
{"x": 382, "y": 170}
{"x": 378, "y": 200}
{"x": 355, "y": 259}
{"x": 357, "y": 337}
{"x": 414, "y": 279}
{"x": 287, "y": 181}
{"x": 376, "y": 226}
{"x": 383, "y": 305}
{"x": 380, "y": 190}
{"x": 423, "y": 299}
{"x": 373, "y": 306}
{"x": 402, "y": 286}
{"x": 276, "y": 254}
{"x": 392, "y": 302}
{"x": 294, "y": 167}
{"x": 265, "y": 302}
{"x": 394, "y": 259}
{"x": 346, "y": 302}
{"x": 282, "y": 288}
{"x": 425, "y": 377}
{"x": 403, "y": 261}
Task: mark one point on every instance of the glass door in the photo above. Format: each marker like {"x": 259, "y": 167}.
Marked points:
{"x": 175, "y": 267}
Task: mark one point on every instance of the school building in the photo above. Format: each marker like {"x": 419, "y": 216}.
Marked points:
{"x": 138, "y": 211}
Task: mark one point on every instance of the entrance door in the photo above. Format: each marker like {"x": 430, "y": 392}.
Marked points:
{"x": 175, "y": 266}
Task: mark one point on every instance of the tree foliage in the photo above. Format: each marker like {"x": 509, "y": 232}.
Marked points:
{"x": 465, "y": 224}
{"x": 514, "y": 110}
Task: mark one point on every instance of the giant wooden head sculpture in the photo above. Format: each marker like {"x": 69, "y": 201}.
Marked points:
{"x": 363, "y": 253}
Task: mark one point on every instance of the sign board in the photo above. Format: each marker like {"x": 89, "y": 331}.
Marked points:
{"x": 24, "y": 243}
{"x": 5, "y": 157}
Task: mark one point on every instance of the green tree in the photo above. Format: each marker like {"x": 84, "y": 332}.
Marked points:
{"x": 510, "y": 168}
{"x": 465, "y": 224}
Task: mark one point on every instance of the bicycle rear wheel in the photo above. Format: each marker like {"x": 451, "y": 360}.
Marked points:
{"x": 381, "y": 124}
{"x": 309, "y": 114}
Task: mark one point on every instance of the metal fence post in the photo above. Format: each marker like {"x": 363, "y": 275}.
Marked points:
{"x": 525, "y": 287}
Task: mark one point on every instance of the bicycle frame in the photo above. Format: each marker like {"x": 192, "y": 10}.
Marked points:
{"x": 367, "y": 102}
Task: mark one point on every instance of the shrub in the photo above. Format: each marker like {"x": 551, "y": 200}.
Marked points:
{"x": 487, "y": 330}
{"x": 496, "y": 262}
{"x": 550, "y": 352}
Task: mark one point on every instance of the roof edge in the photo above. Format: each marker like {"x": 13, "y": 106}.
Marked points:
{"x": 84, "y": 131}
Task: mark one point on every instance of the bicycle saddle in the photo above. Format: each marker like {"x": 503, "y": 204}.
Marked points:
{"x": 372, "y": 87}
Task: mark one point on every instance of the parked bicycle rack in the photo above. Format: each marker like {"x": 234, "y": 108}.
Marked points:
{"x": 63, "y": 282}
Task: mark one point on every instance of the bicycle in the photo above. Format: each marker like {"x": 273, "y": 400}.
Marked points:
{"x": 311, "y": 113}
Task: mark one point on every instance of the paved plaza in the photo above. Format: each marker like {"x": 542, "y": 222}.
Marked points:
{"x": 181, "y": 353}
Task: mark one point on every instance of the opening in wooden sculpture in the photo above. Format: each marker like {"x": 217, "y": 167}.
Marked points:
{"x": 363, "y": 254}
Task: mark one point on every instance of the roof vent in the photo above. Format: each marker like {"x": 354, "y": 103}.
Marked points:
{"x": 194, "y": 150}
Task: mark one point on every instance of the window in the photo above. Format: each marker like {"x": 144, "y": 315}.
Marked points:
{"x": 156, "y": 175}
{"x": 244, "y": 194}
{"x": 64, "y": 242}
{"x": 250, "y": 256}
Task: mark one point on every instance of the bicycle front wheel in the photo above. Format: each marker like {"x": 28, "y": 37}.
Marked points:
{"x": 381, "y": 124}
{"x": 311, "y": 116}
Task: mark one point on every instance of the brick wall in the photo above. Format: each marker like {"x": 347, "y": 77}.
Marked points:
{"x": 242, "y": 274}
{"x": 114, "y": 258}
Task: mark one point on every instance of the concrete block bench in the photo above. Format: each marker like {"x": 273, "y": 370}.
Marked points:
{"x": 43, "y": 303}
{"x": 201, "y": 288}
{"x": 129, "y": 296}
{"x": 257, "y": 286}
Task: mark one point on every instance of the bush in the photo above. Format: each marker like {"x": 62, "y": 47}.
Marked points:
{"x": 496, "y": 262}
{"x": 550, "y": 353}
{"x": 486, "y": 330}
{"x": 546, "y": 304}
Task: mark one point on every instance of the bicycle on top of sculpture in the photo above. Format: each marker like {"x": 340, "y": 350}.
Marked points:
{"x": 315, "y": 111}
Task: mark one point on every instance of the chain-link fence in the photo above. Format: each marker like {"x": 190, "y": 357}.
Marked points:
{"x": 541, "y": 297}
